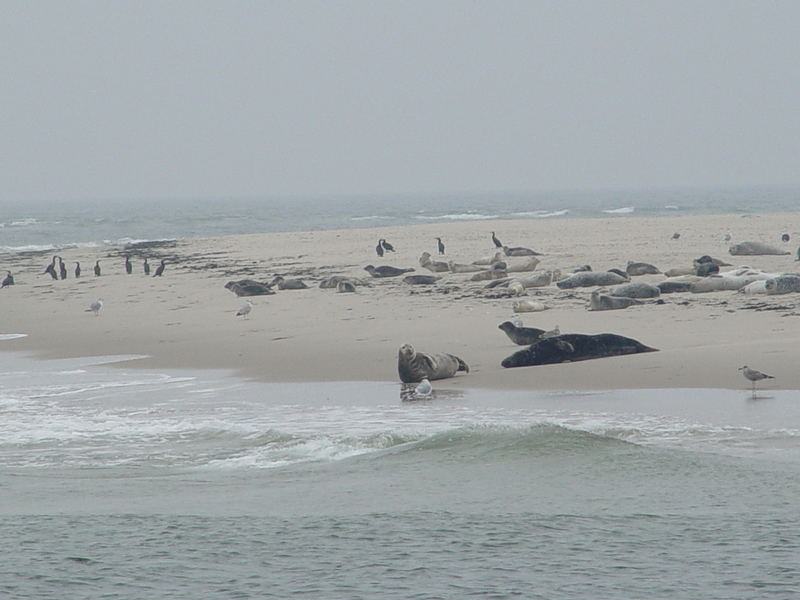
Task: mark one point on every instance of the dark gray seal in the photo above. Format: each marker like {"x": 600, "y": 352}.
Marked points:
{"x": 288, "y": 284}
{"x": 248, "y": 287}
{"x": 590, "y": 279}
{"x": 636, "y": 290}
{"x": 522, "y": 336}
{"x": 641, "y": 268}
{"x": 385, "y": 271}
{"x": 519, "y": 251}
{"x": 600, "y": 301}
{"x": 345, "y": 286}
{"x": 413, "y": 366}
{"x": 420, "y": 279}
{"x": 670, "y": 287}
{"x": 572, "y": 347}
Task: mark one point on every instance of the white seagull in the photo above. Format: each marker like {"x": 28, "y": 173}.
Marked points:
{"x": 424, "y": 388}
{"x": 754, "y": 375}
{"x": 95, "y": 307}
{"x": 245, "y": 310}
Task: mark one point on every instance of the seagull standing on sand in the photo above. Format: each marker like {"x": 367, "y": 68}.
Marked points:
{"x": 245, "y": 310}
{"x": 753, "y": 375}
{"x": 95, "y": 307}
{"x": 424, "y": 388}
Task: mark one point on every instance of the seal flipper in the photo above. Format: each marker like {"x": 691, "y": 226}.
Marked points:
{"x": 462, "y": 366}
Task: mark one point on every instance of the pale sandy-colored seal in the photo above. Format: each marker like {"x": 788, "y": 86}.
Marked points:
{"x": 488, "y": 260}
{"x": 460, "y": 268}
{"x": 520, "y": 251}
{"x": 435, "y": 266}
{"x": 528, "y": 306}
{"x": 753, "y": 249}
{"x": 288, "y": 284}
{"x": 334, "y": 280}
{"x": 413, "y": 366}
{"x": 529, "y": 264}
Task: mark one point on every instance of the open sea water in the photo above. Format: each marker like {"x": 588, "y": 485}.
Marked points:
{"x": 123, "y": 483}
{"x": 42, "y": 226}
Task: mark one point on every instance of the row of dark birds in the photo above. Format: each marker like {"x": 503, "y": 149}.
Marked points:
{"x": 57, "y": 268}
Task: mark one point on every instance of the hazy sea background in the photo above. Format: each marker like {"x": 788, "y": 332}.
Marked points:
{"x": 121, "y": 483}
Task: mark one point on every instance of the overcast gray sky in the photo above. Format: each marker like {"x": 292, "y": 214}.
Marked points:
{"x": 224, "y": 98}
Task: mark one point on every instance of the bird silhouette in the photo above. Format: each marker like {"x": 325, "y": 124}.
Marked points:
{"x": 128, "y": 265}
{"x": 440, "y": 244}
{"x": 146, "y": 267}
{"x": 379, "y": 248}
{"x": 97, "y": 268}
{"x": 497, "y": 243}
{"x": 160, "y": 269}
{"x": 77, "y": 269}
{"x": 387, "y": 246}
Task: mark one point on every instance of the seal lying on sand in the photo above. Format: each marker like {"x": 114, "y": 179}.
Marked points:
{"x": 519, "y": 251}
{"x": 435, "y": 266}
{"x": 385, "y": 271}
{"x": 753, "y": 249}
{"x": 786, "y": 283}
{"x": 248, "y": 287}
{"x": 571, "y": 347}
{"x": 288, "y": 284}
{"x": 640, "y": 268}
{"x": 522, "y": 336}
{"x": 600, "y": 301}
{"x": 636, "y": 290}
{"x": 590, "y": 279}
{"x": 413, "y": 366}
{"x": 420, "y": 279}
{"x": 334, "y": 280}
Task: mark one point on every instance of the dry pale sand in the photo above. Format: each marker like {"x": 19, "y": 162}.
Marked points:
{"x": 187, "y": 318}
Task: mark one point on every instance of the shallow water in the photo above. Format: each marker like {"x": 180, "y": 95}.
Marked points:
{"x": 126, "y": 483}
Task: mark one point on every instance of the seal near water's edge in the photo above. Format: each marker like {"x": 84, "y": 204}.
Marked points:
{"x": 572, "y": 347}
{"x": 413, "y": 366}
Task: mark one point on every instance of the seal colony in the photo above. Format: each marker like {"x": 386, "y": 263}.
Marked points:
{"x": 319, "y": 300}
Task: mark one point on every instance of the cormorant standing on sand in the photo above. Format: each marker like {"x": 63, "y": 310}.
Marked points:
{"x": 62, "y": 267}
{"x": 497, "y": 243}
{"x": 51, "y": 268}
{"x": 387, "y": 246}
{"x": 160, "y": 269}
{"x": 379, "y": 248}
{"x": 9, "y": 280}
{"x": 441, "y": 245}
{"x": 146, "y": 267}
{"x": 77, "y": 269}
{"x": 128, "y": 265}
{"x": 97, "y": 268}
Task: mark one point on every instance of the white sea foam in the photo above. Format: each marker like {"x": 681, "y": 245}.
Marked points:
{"x": 672, "y": 207}
{"x": 541, "y": 214}
{"x": 20, "y": 223}
{"x": 370, "y": 218}
{"x": 626, "y": 210}
{"x": 457, "y": 217}
{"x": 12, "y": 336}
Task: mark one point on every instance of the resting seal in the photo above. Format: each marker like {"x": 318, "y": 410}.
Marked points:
{"x": 572, "y": 347}
{"x": 413, "y": 366}
{"x": 600, "y": 301}
{"x": 436, "y": 266}
{"x": 420, "y": 279}
{"x": 520, "y": 251}
{"x": 754, "y": 248}
{"x": 783, "y": 284}
{"x": 385, "y": 271}
{"x": 590, "y": 279}
{"x": 522, "y": 336}
{"x": 641, "y": 268}
{"x": 636, "y": 290}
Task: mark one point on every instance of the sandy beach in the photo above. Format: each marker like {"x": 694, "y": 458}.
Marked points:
{"x": 186, "y": 319}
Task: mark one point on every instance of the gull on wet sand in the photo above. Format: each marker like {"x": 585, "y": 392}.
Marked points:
{"x": 753, "y": 375}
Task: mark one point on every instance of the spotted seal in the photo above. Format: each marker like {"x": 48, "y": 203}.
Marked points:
{"x": 413, "y": 366}
{"x": 600, "y": 301}
{"x": 522, "y": 336}
{"x": 784, "y": 284}
{"x": 590, "y": 279}
{"x": 753, "y": 249}
{"x": 636, "y": 290}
